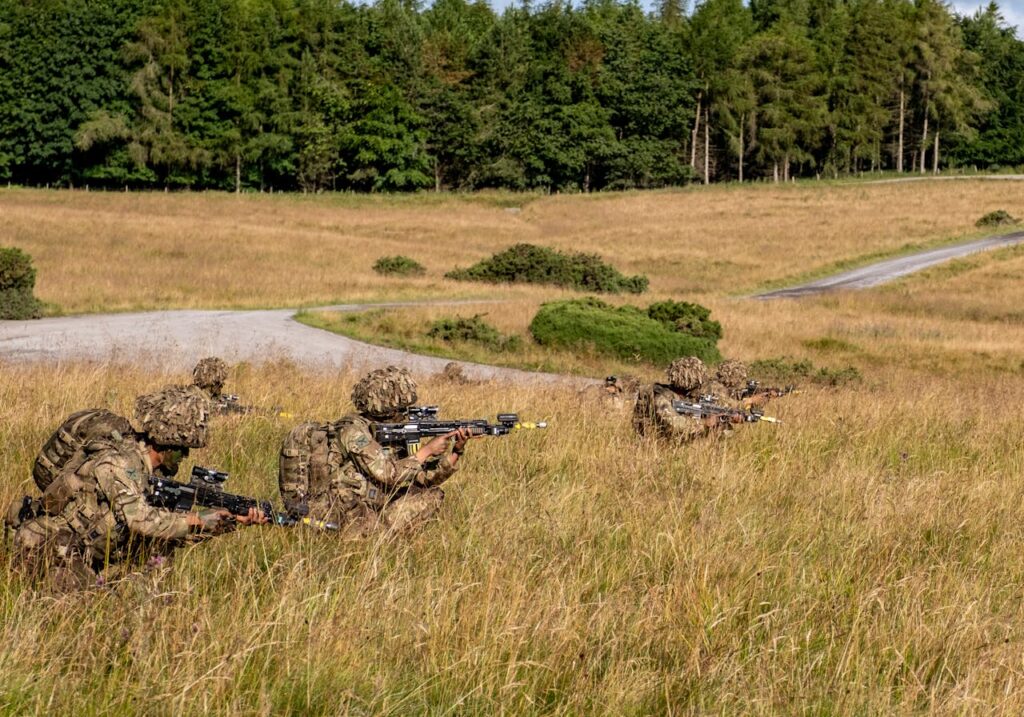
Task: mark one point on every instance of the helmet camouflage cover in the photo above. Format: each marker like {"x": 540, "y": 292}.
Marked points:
{"x": 175, "y": 416}
{"x": 687, "y": 373}
{"x": 732, "y": 374}
{"x": 384, "y": 392}
{"x": 210, "y": 374}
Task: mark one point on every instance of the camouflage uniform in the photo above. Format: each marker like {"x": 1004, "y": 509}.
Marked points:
{"x": 653, "y": 414}
{"x": 338, "y": 472}
{"x": 95, "y": 513}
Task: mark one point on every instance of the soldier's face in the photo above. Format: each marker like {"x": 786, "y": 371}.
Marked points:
{"x": 170, "y": 460}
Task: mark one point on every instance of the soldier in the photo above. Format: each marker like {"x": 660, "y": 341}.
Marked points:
{"x": 337, "y": 471}
{"x": 654, "y": 414}
{"x": 95, "y": 513}
{"x": 209, "y": 376}
{"x": 733, "y": 383}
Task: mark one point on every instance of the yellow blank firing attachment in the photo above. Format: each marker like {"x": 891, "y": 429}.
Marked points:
{"x": 530, "y": 424}
{"x": 769, "y": 419}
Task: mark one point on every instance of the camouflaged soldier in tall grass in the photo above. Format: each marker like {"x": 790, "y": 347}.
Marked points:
{"x": 94, "y": 514}
{"x": 653, "y": 414}
{"x": 337, "y": 471}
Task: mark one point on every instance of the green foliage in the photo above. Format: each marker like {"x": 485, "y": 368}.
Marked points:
{"x": 786, "y": 370}
{"x": 473, "y": 329}
{"x": 625, "y": 332}
{"x": 398, "y": 266}
{"x": 395, "y": 96}
{"x": 17, "y": 280}
{"x": 998, "y": 218}
{"x": 687, "y": 318}
{"x": 529, "y": 264}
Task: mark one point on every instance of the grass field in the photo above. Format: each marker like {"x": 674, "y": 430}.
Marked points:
{"x": 862, "y": 557}
{"x": 112, "y": 251}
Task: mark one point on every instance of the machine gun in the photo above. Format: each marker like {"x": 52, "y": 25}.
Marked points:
{"x": 205, "y": 489}
{"x": 724, "y": 414}
{"x": 228, "y": 404}
{"x": 411, "y": 433}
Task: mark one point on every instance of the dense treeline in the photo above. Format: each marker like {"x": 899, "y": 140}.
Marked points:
{"x": 319, "y": 94}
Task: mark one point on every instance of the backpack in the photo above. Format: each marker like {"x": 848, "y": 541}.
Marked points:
{"x": 79, "y": 429}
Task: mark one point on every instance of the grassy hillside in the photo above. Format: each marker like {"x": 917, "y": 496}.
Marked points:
{"x": 862, "y": 557}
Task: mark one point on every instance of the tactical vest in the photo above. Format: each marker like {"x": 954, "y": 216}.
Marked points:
{"x": 646, "y": 420}
{"x": 79, "y": 429}
{"x": 75, "y": 500}
{"x": 316, "y": 476}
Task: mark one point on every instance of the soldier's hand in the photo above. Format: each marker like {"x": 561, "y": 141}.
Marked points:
{"x": 210, "y": 521}
{"x": 461, "y": 437}
{"x": 255, "y": 516}
{"x": 435, "y": 446}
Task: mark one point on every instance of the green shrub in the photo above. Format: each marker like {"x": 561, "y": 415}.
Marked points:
{"x": 687, "y": 318}
{"x": 473, "y": 329}
{"x": 784, "y": 370}
{"x": 529, "y": 264}
{"x": 624, "y": 332}
{"x": 17, "y": 280}
{"x": 998, "y": 218}
{"x": 398, "y": 266}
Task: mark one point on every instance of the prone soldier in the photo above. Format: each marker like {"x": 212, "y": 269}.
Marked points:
{"x": 338, "y": 472}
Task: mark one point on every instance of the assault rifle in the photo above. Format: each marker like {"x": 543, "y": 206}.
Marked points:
{"x": 754, "y": 388}
{"x": 724, "y": 414}
{"x": 205, "y": 490}
{"x": 229, "y": 404}
{"x": 411, "y": 433}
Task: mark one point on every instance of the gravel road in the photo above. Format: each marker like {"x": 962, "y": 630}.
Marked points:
{"x": 883, "y": 271}
{"x": 175, "y": 340}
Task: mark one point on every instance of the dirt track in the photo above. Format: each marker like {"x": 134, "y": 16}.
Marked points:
{"x": 883, "y": 271}
{"x": 175, "y": 340}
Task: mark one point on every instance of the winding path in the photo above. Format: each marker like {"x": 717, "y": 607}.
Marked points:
{"x": 883, "y": 271}
{"x": 175, "y": 340}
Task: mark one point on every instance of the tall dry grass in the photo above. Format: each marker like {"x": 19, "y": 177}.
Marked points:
{"x": 112, "y": 251}
{"x": 862, "y": 557}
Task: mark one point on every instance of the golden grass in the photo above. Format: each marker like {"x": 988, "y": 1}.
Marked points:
{"x": 862, "y": 557}
{"x": 111, "y": 251}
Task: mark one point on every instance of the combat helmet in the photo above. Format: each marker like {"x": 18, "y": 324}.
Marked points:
{"x": 687, "y": 373}
{"x": 175, "y": 416}
{"x": 210, "y": 374}
{"x": 384, "y": 392}
{"x": 732, "y": 374}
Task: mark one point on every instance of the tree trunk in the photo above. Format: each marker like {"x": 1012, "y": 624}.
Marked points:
{"x": 696, "y": 129}
{"x": 924, "y": 139}
{"x": 741, "y": 148}
{"x": 785, "y": 168}
{"x": 238, "y": 172}
{"x": 775, "y": 171}
{"x": 935, "y": 154}
{"x": 707, "y": 147}
{"x": 437, "y": 176}
{"x": 903, "y": 112}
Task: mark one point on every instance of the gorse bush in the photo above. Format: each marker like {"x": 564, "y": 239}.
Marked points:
{"x": 686, "y": 318}
{"x": 625, "y": 332}
{"x": 529, "y": 264}
{"x": 398, "y": 266}
{"x": 17, "y": 280}
{"x": 473, "y": 329}
{"x": 998, "y": 218}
